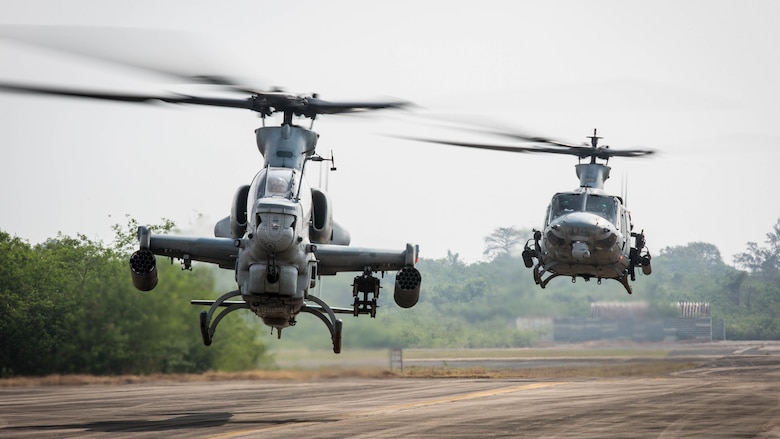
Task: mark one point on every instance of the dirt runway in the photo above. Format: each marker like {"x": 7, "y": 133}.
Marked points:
{"x": 733, "y": 392}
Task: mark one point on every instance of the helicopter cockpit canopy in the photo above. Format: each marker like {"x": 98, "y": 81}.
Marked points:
{"x": 274, "y": 183}
{"x": 601, "y": 205}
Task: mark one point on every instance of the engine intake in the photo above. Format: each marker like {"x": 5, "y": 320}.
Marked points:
{"x": 143, "y": 269}
{"x": 407, "y": 287}
{"x": 238, "y": 213}
{"x": 321, "y": 229}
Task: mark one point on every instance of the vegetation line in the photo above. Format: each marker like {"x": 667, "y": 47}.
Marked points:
{"x": 68, "y": 309}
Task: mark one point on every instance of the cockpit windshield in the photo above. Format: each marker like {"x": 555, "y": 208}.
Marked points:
{"x": 566, "y": 203}
{"x": 278, "y": 182}
{"x": 603, "y": 206}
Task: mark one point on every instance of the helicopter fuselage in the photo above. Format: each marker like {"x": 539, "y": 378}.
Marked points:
{"x": 587, "y": 237}
{"x": 587, "y": 233}
{"x": 280, "y": 238}
{"x": 276, "y": 257}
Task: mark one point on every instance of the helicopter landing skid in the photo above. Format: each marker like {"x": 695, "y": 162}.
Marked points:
{"x": 624, "y": 281}
{"x": 538, "y": 270}
{"x": 207, "y": 326}
{"x": 330, "y": 320}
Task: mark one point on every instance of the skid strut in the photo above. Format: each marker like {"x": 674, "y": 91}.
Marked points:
{"x": 207, "y": 326}
{"x": 208, "y": 323}
{"x": 330, "y": 320}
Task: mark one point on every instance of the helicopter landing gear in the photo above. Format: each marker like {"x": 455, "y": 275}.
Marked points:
{"x": 538, "y": 271}
{"x": 624, "y": 281}
{"x": 365, "y": 285}
{"x": 334, "y": 325}
{"x": 207, "y": 326}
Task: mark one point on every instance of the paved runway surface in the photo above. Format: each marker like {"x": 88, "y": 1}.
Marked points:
{"x": 735, "y": 393}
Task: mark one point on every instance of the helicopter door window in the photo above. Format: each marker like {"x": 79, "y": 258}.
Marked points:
{"x": 602, "y": 206}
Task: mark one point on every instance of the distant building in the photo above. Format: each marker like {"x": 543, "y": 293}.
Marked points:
{"x": 634, "y": 321}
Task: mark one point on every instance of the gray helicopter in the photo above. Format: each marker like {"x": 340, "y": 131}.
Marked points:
{"x": 280, "y": 236}
{"x": 587, "y": 232}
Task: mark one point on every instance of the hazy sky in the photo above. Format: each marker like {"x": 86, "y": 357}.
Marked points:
{"x": 695, "y": 80}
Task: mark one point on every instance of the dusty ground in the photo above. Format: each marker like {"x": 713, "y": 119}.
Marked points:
{"x": 713, "y": 390}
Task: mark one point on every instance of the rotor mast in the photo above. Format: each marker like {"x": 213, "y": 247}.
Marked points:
{"x": 593, "y": 175}
{"x": 594, "y": 142}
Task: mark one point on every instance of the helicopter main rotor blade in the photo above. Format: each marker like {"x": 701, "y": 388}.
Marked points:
{"x": 172, "y": 99}
{"x": 532, "y": 139}
{"x": 264, "y": 103}
{"x": 188, "y": 53}
{"x": 579, "y": 151}
{"x": 494, "y": 147}
{"x": 552, "y": 146}
{"x": 88, "y": 42}
{"x": 582, "y": 151}
{"x": 320, "y": 106}
{"x": 605, "y": 153}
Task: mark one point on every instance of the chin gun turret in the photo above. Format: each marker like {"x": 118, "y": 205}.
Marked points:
{"x": 407, "y": 287}
{"x": 143, "y": 269}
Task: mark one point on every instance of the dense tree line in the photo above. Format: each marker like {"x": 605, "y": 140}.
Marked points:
{"x": 68, "y": 306}
{"x": 475, "y": 305}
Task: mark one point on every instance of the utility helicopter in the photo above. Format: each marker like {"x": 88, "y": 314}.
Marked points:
{"x": 280, "y": 236}
{"x": 587, "y": 232}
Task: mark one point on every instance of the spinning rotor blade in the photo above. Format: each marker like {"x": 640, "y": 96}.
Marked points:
{"x": 543, "y": 144}
{"x": 185, "y": 52}
{"x": 173, "y": 99}
{"x": 320, "y": 106}
{"x": 492, "y": 147}
{"x": 582, "y": 151}
{"x": 532, "y": 139}
{"x": 129, "y": 48}
{"x": 263, "y": 103}
{"x": 579, "y": 151}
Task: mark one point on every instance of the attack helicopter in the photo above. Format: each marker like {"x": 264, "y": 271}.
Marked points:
{"x": 587, "y": 233}
{"x": 280, "y": 236}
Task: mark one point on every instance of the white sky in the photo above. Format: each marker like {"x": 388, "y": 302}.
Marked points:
{"x": 695, "y": 80}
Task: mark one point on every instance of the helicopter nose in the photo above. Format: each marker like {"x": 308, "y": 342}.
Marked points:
{"x": 580, "y": 250}
{"x": 275, "y": 227}
{"x": 580, "y": 221}
{"x": 576, "y": 226}
{"x": 579, "y": 232}
{"x": 275, "y": 232}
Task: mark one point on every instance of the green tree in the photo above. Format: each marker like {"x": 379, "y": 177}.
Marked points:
{"x": 68, "y": 306}
{"x": 762, "y": 258}
{"x": 26, "y": 309}
{"x": 504, "y": 241}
